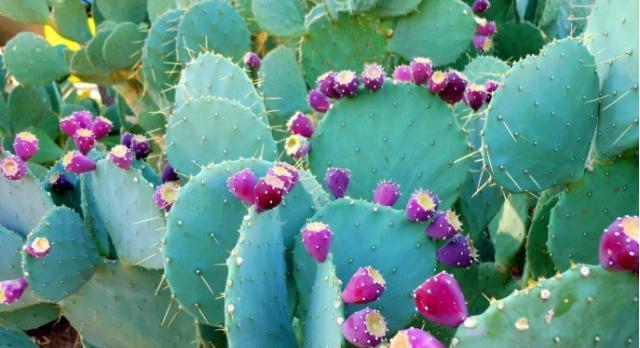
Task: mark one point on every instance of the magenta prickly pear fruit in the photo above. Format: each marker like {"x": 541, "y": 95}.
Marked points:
{"x": 59, "y": 183}
{"x": 485, "y": 27}
{"x": 347, "y": 83}
{"x": 165, "y": 195}
{"x": 414, "y": 338}
{"x": 422, "y": 205}
{"x": 252, "y": 60}
{"x": 287, "y": 173}
{"x": 316, "y": 238}
{"x": 456, "y": 83}
{"x": 269, "y": 192}
{"x": 297, "y": 146}
{"x": 458, "y": 252}
{"x": 475, "y": 96}
{"x": 445, "y": 225}
{"x": 77, "y": 163}
{"x": 373, "y": 76}
{"x": 84, "y": 139}
{"x": 318, "y": 101}
{"x": 102, "y": 127}
{"x": 421, "y": 70}
{"x": 301, "y": 124}
{"x": 126, "y": 139}
{"x": 337, "y": 181}
{"x": 366, "y": 285}
{"x": 169, "y": 174}
{"x": 327, "y": 85}
{"x": 619, "y": 245}
{"x": 480, "y": 6}
{"x": 482, "y": 43}
{"x": 11, "y": 290}
{"x": 440, "y": 300}
{"x": 39, "y": 247}
{"x": 84, "y": 119}
{"x": 13, "y": 167}
{"x": 365, "y": 328}
{"x": 140, "y": 146}
{"x": 491, "y": 86}
{"x": 386, "y": 193}
{"x": 121, "y": 156}
{"x": 242, "y": 185}
{"x": 437, "y": 82}
{"x": 69, "y": 125}
{"x": 402, "y": 74}
{"x": 26, "y": 145}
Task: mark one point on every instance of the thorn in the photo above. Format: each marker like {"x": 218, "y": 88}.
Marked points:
{"x": 616, "y": 100}
{"x": 470, "y": 154}
{"x": 512, "y": 180}
{"x": 166, "y": 312}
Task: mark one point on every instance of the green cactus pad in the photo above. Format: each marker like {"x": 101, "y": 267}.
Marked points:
{"x": 210, "y": 130}
{"x": 333, "y": 7}
{"x": 539, "y": 262}
{"x": 346, "y": 43}
{"x": 586, "y": 208}
{"x": 47, "y": 65}
{"x": 157, "y": 8}
{"x": 202, "y": 229}
{"x": 70, "y": 20}
{"x": 212, "y": 26}
{"x": 135, "y": 225}
{"x": 30, "y": 106}
{"x": 365, "y": 234}
{"x": 10, "y": 268}
{"x": 93, "y": 218}
{"x": 611, "y": 37}
{"x": 555, "y": 89}
{"x": 396, "y": 8}
{"x": 310, "y": 183}
{"x": 28, "y": 11}
{"x": 571, "y": 310}
{"x": 325, "y": 317}
{"x": 95, "y": 49}
{"x": 123, "y": 307}
{"x": 560, "y": 19}
{"x": 450, "y": 19}
{"x": 516, "y": 40}
{"x": 123, "y": 47}
{"x": 279, "y": 17}
{"x": 402, "y": 133}
{"x": 22, "y": 204}
{"x": 82, "y": 67}
{"x": 509, "y": 228}
{"x": 256, "y": 285}
{"x": 15, "y": 339}
{"x": 31, "y": 317}
{"x": 123, "y": 10}
{"x": 231, "y": 82}
{"x": 71, "y": 261}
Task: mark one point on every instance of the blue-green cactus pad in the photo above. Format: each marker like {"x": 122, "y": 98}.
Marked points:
{"x": 555, "y": 89}
{"x": 560, "y": 18}
{"x": 32, "y": 61}
{"x": 30, "y": 106}
{"x": 365, "y": 234}
{"x": 11, "y": 268}
{"x": 509, "y": 228}
{"x": 82, "y": 67}
{"x": 22, "y": 204}
{"x": 92, "y": 218}
{"x": 586, "y": 208}
{"x": 29, "y": 11}
{"x": 212, "y": 26}
{"x": 539, "y": 262}
{"x": 70, "y": 20}
{"x": 15, "y": 339}
{"x": 402, "y": 133}
{"x": 396, "y": 8}
{"x": 256, "y": 285}
{"x": 570, "y": 310}
{"x": 450, "y": 27}
{"x": 123, "y": 10}
{"x": 279, "y": 17}
{"x": 517, "y": 40}
{"x": 122, "y": 49}
{"x": 157, "y": 8}
{"x": 210, "y": 130}
{"x": 71, "y": 261}
{"x": 31, "y": 317}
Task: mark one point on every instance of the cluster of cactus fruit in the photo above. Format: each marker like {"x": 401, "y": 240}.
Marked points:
{"x": 231, "y": 181}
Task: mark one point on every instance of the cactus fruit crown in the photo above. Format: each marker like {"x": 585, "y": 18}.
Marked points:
{"x": 316, "y": 227}
{"x": 40, "y": 244}
{"x": 169, "y": 191}
{"x": 274, "y": 182}
{"x": 84, "y": 132}
{"x": 630, "y": 226}
{"x": 119, "y": 150}
{"x": 454, "y": 220}
{"x": 54, "y": 178}
{"x": 375, "y": 275}
{"x": 438, "y": 76}
{"x": 293, "y": 144}
{"x": 68, "y": 157}
{"x": 376, "y": 325}
{"x": 139, "y": 138}
{"x": 400, "y": 340}
{"x": 345, "y": 76}
{"x": 425, "y": 201}
{"x": 10, "y": 166}
{"x": 372, "y": 71}
{"x": 26, "y": 136}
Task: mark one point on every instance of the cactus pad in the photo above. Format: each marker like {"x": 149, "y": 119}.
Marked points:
{"x": 11, "y": 268}
{"x": 15, "y": 339}
{"x": 22, "y": 204}
{"x": 47, "y": 65}
{"x": 123, "y": 10}
{"x": 539, "y": 261}
{"x": 123, "y": 48}
{"x": 279, "y": 17}
{"x": 30, "y": 11}
{"x": 31, "y": 317}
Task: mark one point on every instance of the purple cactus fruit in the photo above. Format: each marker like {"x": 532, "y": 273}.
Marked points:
{"x": 77, "y": 163}
{"x": 59, "y": 183}
{"x": 366, "y": 285}
{"x": 126, "y": 139}
{"x": 84, "y": 119}
{"x": 365, "y": 328}
{"x": 491, "y": 86}
{"x": 337, "y": 180}
{"x": 386, "y": 193}
{"x": 102, "y": 127}
{"x": 269, "y": 192}
{"x": 327, "y": 85}
{"x": 169, "y": 174}
{"x": 165, "y": 195}
{"x": 13, "y": 167}
{"x": 69, "y": 125}
{"x": 252, "y": 60}
{"x": 480, "y": 6}
{"x": 421, "y": 70}
{"x": 475, "y": 96}
{"x": 11, "y": 290}
{"x": 414, "y": 338}
{"x": 482, "y": 43}
{"x": 140, "y": 146}
{"x": 287, "y": 173}
{"x": 297, "y": 146}
{"x": 373, "y": 76}
{"x": 242, "y": 185}
{"x": 440, "y": 300}
{"x": 619, "y": 245}
{"x": 301, "y": 124}
{"x": 402, "y": 74}
{"x": 485, "y": 27}
{"x": 316, "y": 238}
{"x": 445, "y": 225}
{"x": 453, "y": 92}
{"x": 347, "y": 83}
{"x": 318, "y": 101}
{"x": 437, "y": 82}
{"x": 422, "y": 205}
{"x": 458, "y": 252}
{"x": 84, "y": 139}
{"x": 26, "y": 145}
{"x": 121, "y": 156}
{"x": 39, "y": 247}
